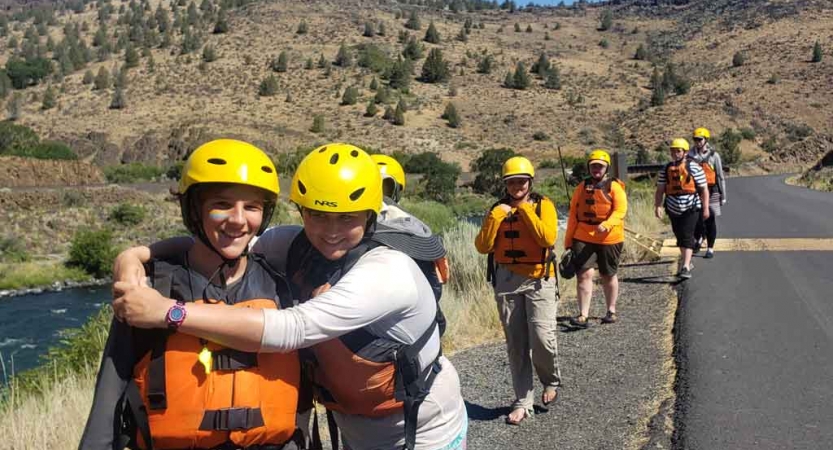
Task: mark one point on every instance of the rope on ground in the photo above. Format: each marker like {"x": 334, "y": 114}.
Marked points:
{"x": 653, "y": 246}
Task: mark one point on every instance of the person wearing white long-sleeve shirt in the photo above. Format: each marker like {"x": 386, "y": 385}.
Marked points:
{"x": 381, "y": 293}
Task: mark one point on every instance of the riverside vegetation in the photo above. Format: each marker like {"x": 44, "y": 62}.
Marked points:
{"x": 59, "y": 392}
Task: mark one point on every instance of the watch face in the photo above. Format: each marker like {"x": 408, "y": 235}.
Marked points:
{"x": 177, "y": 314}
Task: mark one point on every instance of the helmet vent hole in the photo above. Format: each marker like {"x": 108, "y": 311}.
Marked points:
{"x": 302, "y": 188}
{"x": 356, "y": 194}
{"x": 323, "y": 149}
{"x": 334, "y": 158}
{"x": 266, "y": 169}
{"x": 217, "y": 161}
{"x": 354, "y": 153}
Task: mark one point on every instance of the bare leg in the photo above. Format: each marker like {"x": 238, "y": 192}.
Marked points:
{"x": 610, "y": 284}
{"x": 584, "y": 288}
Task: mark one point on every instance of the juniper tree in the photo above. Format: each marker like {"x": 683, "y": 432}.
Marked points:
{"x": 382, "y": 31}
{"x": 485, "y": 64}
{"x": 351, "y": 96}
{"x": 521, "y": 78}
{"x": 399, "y": 114}
{"x": 606, "y": 21}
{"x": 209, "y": 54}
{"x": 553, "y": 80}
{"x": 102, "y": 80}
{"x": 658, "y": 96}
{"x": 451, "y": 115}
{"x": 88, "y": 77}
{"x": 373, "y": 84}
{"x": 388, "y": 115}
{"x": 435, "y": 69}
{"x": 49, "y": 100}
{"x": 344, "y": 58}
{"x": 529, "y": 28}
{"x": 119, "y": 101}
{"x": 542, "y": 66}
{"x": 368, "y": 30}
{"x": 413, "y": 21}
{"x": 641, "y": 53}
{"x": 131, "y": 57}
{"x": 817, "y": 53}
{"x": 517, "y": 27}
{"x": 302, "y": 28}
{"x": 268, "y": 87}
{"x": 322, "y": 62}
{"x": 738, "y": 59}
{"x": 280, "y": 63}
{"x": 431, "y": 34}
{"x": 318, "y": 125}
{"x": 371, "y": 109}
{"x": 412, "y": 50}
{"x": 221, "y": 26}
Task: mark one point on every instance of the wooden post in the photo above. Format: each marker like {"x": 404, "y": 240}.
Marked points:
{"x": 619, "y": 166}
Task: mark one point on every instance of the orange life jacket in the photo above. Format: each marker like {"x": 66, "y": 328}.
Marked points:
{"x": 241, "y": 398}
{"x": 360, "y": 373}
{"x": 595, "y": 204}
{"x": 711, "y": 175}
{"x": 677, "y": 179}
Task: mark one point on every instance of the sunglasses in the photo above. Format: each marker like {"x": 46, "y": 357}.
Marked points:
{"x": 698, "y": 139}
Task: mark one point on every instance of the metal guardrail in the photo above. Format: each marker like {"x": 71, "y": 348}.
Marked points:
{"x": 653, "y": 168}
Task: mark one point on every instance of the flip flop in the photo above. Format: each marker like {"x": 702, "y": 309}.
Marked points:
{"x": 509, "y": 421}
{"x": 547, "y": 390}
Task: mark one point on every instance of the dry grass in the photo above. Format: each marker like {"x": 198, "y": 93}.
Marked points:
{"x": 37, "y": 273}
{"x": 51, "y": 420}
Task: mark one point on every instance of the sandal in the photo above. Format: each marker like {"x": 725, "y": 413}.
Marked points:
{"x": 510, "y": 421}
{"x": 610, "y": 317}
{"x": 551, "y": 390}
{"x": 579, "y": 322}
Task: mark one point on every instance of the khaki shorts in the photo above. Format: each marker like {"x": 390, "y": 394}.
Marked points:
{"x": 605, "y": 257}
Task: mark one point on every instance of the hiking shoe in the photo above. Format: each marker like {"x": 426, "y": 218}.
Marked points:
{"x": 610, "y": 317}
{"x": 579, "y": 322}
{"x": 709, "y": 254}
{"x": 685, "y": 273}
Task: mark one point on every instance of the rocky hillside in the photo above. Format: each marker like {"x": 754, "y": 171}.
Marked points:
{"x": 19, "y": 172}
{"x": 742, "y": 65}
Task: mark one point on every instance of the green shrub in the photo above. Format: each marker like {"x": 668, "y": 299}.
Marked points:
{"x": 817, "y": 53}
{"x": 374, "y": 58}
{"x": 452, "y": 116}
{"x": 351, "y": 96}
{"x": 489, "y": 166}
{"x": 540, "y": 136}
{"x": 606, "y": 20}
{"x": 12, "y": 250}
{"x": 268, "y": 87}
{"x": 127, "y": 214}
{"x": 738, "y": 59}
{"x": 435, "y": 69}
{"x": 16, "y": 138}
{"x": 92, "y": 251}
{"x": 747, "y": 133}
{"x": 728, "y": 145}
{"x": 133, "y": 172}
{"x": 318, "y": 125}
{"x": 438, "y": 216}
{"x": 432, "y": 35}
{"x": 48, "y": 150}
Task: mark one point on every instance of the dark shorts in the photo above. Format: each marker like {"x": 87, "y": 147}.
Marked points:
{"x": 684, "y": 226}
{"x": 590, "y": 256}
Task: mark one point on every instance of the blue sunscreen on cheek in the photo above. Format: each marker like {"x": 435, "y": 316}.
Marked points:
{"x": 215, "y": 214}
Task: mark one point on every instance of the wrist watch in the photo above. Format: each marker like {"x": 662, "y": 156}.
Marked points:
{"x": 176, "y": 315}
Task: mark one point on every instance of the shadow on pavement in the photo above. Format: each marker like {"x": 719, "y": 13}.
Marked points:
{"x": 661, "y": 279}
{"x": 477, "y": 412}
{"x": 648, "y": 263}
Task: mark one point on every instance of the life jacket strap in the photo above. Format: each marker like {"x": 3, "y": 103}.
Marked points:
{"x": 228, "y": 419}
{"x": 229, "y": 359}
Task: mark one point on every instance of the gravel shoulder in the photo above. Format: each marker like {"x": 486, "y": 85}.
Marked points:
{"x": 618, "y": 378}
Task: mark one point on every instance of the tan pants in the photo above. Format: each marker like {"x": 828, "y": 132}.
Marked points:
{"x": 528, "y": 309}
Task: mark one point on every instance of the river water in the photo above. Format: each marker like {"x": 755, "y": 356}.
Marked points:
{"x": 30, "y": 324}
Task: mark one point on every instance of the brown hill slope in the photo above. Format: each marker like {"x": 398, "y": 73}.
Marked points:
{"x": 603, "y": 101}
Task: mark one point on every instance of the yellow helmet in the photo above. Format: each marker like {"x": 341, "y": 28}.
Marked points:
{"x": 227, "y": 161}
{"x": 680, "y": 143}
{"x": 390, "y": 168}
{"x": 599, "y": 155}
{"x": 518, "y": 166}
{"x": 702, "y": 133}
{"x": 337, "y": 178}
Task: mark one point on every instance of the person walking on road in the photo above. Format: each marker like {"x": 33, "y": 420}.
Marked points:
{"x": 708, "y": 158}
{"x": 682, "y": 185}
{"x": 518, "y": 234}
{"x": 596, "y": 234}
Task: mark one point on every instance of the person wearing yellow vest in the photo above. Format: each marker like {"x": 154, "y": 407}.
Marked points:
{"x": 681, "y": 192}
{"x": 366, "y": 314}
{"x": 712, "y": 165}
{"x": 164, "y": 389}
{"x": 518, "y": 234}
{"x": 595, "y": 235}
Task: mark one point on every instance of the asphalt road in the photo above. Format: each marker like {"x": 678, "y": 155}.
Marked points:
{"x": 755, "y": 329}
